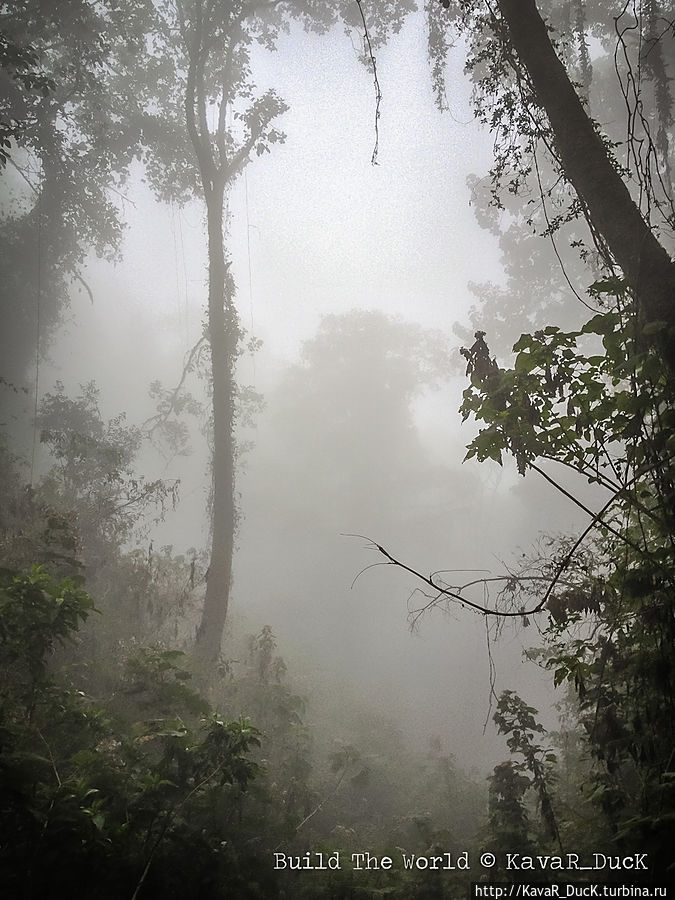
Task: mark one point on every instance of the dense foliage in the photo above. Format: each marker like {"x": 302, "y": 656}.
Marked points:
{"x": 604, "y": 412}
{"x": 146, "y": 792}
{"x": 117, "y": 777}
{"x": 140, "y": 793}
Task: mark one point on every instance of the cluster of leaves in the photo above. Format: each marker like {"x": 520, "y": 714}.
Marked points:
{"x": 119, "y": 789}
{"x": 603, "y": 414}
{"x": 70, "y": 142}
{"x": 339, "y": 786}
{"x": 610, "y": 640}
{"x": 537, "y": 803}
{"x": 21, "y": 78}
{"x": 93, "y": 470}
{"x": 257, "y": 684}
{"x": 140, "y": 796}
{"x": 149, "y": 793}
{"x": 607, "y": 416}
{"x": 84, "y": 513}
{"x": 513, "y": 717}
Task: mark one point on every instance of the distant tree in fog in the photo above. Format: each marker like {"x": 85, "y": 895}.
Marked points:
{"x": 345, "y": 413}
{"x": 90, "y": 86}
{"x": 67, "y": 144}
{"x": 213, "y": 120}
{"x": 197, "y": 90}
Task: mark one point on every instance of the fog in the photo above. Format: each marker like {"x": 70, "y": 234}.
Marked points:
{"x": 336, "y": 388}
{"x": 319, "y": 238}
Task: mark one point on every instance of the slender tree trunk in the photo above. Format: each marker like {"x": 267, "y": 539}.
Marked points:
{"x": 223, "y": 335}
{"x": 219, "y": 159}
{"x": 646, "y": 265}
{"x": 223, "y": 332}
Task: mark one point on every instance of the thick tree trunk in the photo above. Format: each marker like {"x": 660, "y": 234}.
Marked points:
{"x": 223, "y": 335}
{"x": 645, "y": 263}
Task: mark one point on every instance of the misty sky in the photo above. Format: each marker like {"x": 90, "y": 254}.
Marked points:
{"x": 323, "y": 229}
{"x": 316, "y": 229}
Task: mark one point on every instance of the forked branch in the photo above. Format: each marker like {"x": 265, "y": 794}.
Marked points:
{"x": 454, "y": 592}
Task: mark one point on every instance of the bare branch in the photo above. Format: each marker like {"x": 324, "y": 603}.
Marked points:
{"x": 596, "y": 518}
{"x": 441, "y": 591}
{"x": 84, "y": 284}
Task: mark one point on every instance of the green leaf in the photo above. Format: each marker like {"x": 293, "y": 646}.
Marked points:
{"x": 604, "y": 323}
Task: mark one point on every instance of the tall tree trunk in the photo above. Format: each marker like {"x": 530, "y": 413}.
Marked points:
{"x": 220, "y": 158}
{"x": 646, "y": 265}
{"x": 223, "y": 333}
